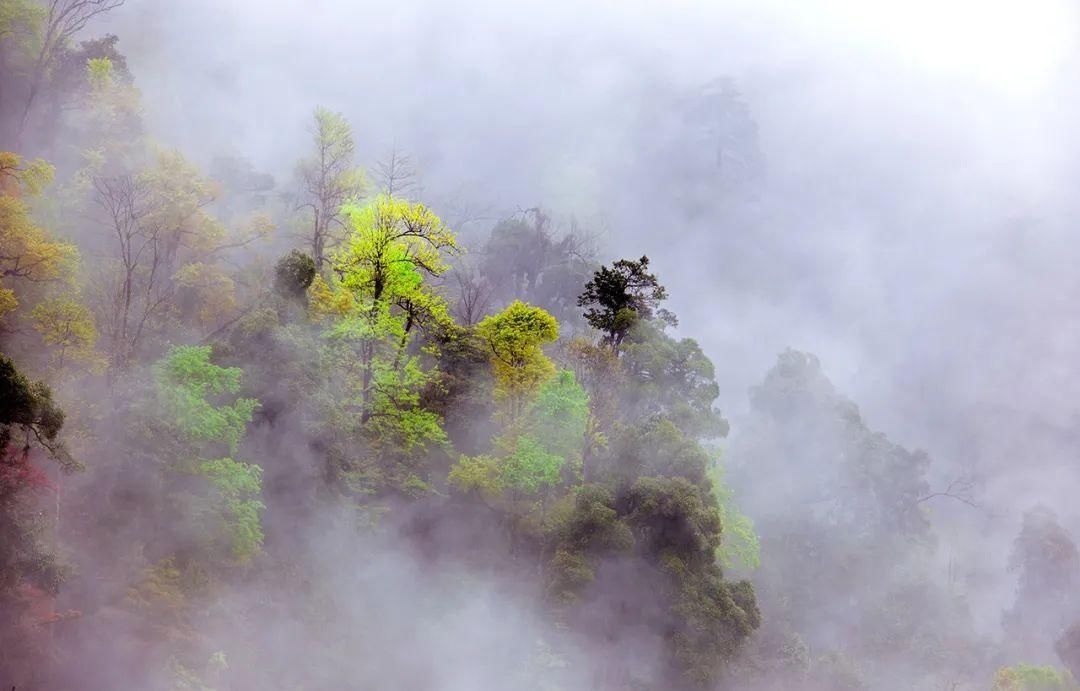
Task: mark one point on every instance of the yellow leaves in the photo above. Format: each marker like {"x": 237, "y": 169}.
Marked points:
{"x": 99, "y": 72}
{"x": 178, "y": 195}
{"x": 257, "y": 227}
{"x": 19, "y": 176}
{"x": 214, "y": 291}
{"x": 8, "y": 302}
{"x": 477, "y": 473}
{"x": 326, "y": 301}
{"x": 68, "y": 327}
{"x": 27, "y": 252}
{"x": 514, "y": 338}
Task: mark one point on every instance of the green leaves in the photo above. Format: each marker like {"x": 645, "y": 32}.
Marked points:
{"x": 531, "y": 466}
{"x": 391, "y": 244}
{"x": 617, "y": 298}
{"x": 1025, "y": 677}
{"x": 237, "y": 486}
{"x": 559, "y": 415}
{"x": 514, "y": 338}
{"x": 185, "y": 379}
{"x": 741, "y": 546}
{"x": 27, "y": 409}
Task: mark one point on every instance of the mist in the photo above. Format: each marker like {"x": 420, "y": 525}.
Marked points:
{"x": 865, "y": 208}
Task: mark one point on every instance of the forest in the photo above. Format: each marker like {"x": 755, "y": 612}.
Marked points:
{"x": 341, "y": 423}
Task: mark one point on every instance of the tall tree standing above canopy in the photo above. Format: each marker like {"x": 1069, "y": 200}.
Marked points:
{"x": 329, "y": 180}
{"x": 617, "y": 298}
{"x": 379, "y": 299}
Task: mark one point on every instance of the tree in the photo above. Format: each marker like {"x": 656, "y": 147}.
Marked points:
{"x": 397, "y": 175}
{"x": 473, "y": 294}
{"x": 329, "y": 180}
{"x": 617, "y": 298}
{"x": 30, "y": 427}
{"x": 294, "y": 273}
{"x": 67, "y": 326}
{"x": 186, "y": 383}
{"x": 63, "y": 19}
{"x": 393, "y": 244}
{"x": 526, "y": 257}
{"x": 1068, "y": 649}
{"x": 672, "y": 378}
{"x": 167, "y": 252}
{"x": 1047, "y": 563}
{"x": 671, "y": 528}
{"x": 514, "y": 338}
{"x": 377, "y": 303}
{"x": 1024, "y": 677}
{"x": 842, "y": 509}
{"x": 27, "y": 254}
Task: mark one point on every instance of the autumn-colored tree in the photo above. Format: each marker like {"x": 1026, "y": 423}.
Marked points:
{"x": 28, "y": 255}
{"x": 67, "y": 327}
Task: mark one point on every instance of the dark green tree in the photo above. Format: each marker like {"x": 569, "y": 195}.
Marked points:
{"x": 294, "y": 273}
{"x": 616, "y": 299}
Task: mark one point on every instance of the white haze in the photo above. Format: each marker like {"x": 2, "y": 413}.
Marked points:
{"x": 915, "y": 225}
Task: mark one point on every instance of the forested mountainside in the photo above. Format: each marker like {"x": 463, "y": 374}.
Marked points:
{"x": 300, "y": 431}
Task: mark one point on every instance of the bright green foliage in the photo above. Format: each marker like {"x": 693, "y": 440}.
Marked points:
{"x": 1024, "y": 677}
{"x": 514, "y": 338}
{"x": 391, "y": 243}
{"x": 531, "y": 466}
{"x": 185, "y": 380}
{"x": 380, "y": 301}
{"x": 741, "y": 546}
{"x": 238, "y": 486}
{"x": 397, "y": 419}
{"x": 549, "y": 435}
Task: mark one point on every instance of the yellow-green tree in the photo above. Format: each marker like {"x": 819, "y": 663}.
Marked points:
{"x": 67, "y": 326}
{"x": 167, "y": 253}
{"x": 514, "y": 338}
{"x": 28, "y": 254}
{"x": 377, "y": 301}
